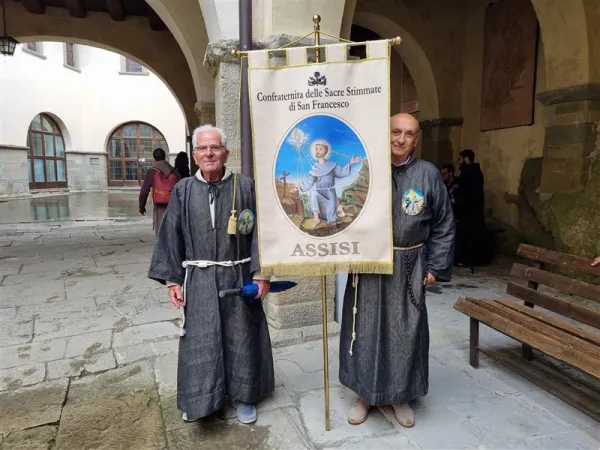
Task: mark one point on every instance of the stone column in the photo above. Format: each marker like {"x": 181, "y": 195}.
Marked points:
{"x": 86, "y": 171}
{"x": 205, "y": 112}
{"x": 14, "y": 175}
{"x": 572, "y": 136}
{"x": 297, "y": 311}
{"x": 438, "y": 138}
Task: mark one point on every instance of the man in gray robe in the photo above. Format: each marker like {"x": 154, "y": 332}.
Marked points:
{"x": 384, "y": 341}
{"x": 321, "y": 183}
{"x": 225, "y": 351}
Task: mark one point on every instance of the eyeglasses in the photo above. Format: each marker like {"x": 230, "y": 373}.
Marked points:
{"x": 213, "y": 148}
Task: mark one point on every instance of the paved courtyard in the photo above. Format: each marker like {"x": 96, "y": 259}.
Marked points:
{"x": 89, "y": 350}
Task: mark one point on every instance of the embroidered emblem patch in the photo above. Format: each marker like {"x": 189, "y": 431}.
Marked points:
{"x": 413, "y": 202}
{"x": 246, "y": 222}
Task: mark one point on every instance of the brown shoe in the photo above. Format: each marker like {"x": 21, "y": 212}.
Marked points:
{"x": 359, "y": 411}
{"x": 404, "y": 415}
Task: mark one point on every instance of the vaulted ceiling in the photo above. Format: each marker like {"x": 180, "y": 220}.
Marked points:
{"x": 118, "y": 10}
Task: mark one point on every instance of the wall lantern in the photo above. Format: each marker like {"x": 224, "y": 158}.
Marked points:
{"x": 7, "y": 43}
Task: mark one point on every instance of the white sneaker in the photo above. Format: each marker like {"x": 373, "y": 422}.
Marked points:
{"x": 185, "y": 418}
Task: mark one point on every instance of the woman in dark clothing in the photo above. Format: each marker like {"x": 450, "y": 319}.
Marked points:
{"x": 182, "y": 164}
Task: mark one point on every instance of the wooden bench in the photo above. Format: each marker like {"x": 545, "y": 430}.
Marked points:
{"x": 565, "y": 340}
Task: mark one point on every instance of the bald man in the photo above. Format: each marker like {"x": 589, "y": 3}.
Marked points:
{"x": 384, "y": 342}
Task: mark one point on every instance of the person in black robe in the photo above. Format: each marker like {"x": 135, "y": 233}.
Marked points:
{"x": 473, "y": 242}
{"x": 225, "y": 348}
{"x": 182, "y": 164}
{"x": 384, "y": 339}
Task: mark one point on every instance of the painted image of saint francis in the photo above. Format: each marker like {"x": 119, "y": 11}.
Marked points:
{"x": 320, "y": 183}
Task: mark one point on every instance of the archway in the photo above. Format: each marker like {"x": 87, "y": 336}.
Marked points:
{"x": 413, "y": 56}
{"x": 158, "y": 51}
{"x": 186, "y": 22}
{"x": 573, "y": 61}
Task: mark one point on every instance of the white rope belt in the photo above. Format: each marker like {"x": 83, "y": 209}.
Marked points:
{"x": 412, "y": 247}
{"x": 202, "y": 264}
{"x": 355, "y": 285}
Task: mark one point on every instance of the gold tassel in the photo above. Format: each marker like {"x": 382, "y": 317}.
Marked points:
{"x": 317, "y": 269}
{"x": 232, "y": 225}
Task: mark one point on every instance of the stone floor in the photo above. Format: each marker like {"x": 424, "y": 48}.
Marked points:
{"x": 89, "y": 349}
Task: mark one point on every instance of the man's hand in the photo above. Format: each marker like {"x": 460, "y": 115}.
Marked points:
{"x": 429, "y": 279}
{"x": 175, "y": 296}
{"x": 596, "y": 262}
{"x": 263, "y": 287}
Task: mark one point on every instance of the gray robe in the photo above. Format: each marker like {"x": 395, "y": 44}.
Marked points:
{"x": 390, "y": 362}
{"x": 226, "y": 351}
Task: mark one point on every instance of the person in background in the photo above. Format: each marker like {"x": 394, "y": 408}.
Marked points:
{"x": 161, "y": 178}
{"x": 450, "y": 180}
{"x": 473, "y": 246}
{"x": 182, "y": 164}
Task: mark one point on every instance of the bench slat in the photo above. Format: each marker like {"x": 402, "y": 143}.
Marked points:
{"x": 557, "y": 305}
{"x": 540, "y": 327}
{"x": 560, "y": 259}
{"x": 521, "y": 333}
{"x": 559, "y": 282}
{"x": 591, "y": 336}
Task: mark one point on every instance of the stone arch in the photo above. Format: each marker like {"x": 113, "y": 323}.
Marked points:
{"x": 158, "y": 51}
{"x": 413, "y": 56}
{"x": 566, "y": 41}
{"x": 186, "y": 22}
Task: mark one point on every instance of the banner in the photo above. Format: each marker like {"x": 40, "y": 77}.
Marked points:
{"x": 321, "y": 144}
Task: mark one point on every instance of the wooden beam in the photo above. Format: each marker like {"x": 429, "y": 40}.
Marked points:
{"x": 156, "y": 22}
{"x": 116, "y": 10}
{"x": 34, "y": 6}
{"x": 556, "y": 343}
{"x": 555, "y": 304}
{"x": 559, "y": 282}
{"x": 75, "y": 8}
{"x": 592, "y": 336}
{"x": 559, "y": 259}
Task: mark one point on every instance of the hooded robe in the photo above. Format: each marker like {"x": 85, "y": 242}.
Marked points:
{"x": 390, "y": 356}
{"x": 226, "y": 350}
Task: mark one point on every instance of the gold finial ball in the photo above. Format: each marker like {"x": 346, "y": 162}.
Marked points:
{"x": 316, "y": 19}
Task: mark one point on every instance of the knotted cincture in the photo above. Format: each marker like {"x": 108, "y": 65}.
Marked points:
{"x": 201, "y": 264}
{"x": 354, "y": 311}
{"x": 418, "y": 305}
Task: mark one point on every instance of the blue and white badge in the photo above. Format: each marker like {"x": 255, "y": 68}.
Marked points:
{"x": 413, "y": 202}
{"x": 246, "y": 222}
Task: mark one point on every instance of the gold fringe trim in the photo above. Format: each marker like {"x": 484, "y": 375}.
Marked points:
{"x": 318, "y": 269}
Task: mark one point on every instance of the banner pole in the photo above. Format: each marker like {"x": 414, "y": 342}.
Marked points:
{"x": 317, "y": 33}
{"x": 245, "y": 26}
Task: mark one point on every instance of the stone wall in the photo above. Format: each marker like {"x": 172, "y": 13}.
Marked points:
{"x": 501, "y": 152}
{"x": 14, "y": 177}
{"x": 300, "y": 306}
{"x": 86, "y": 171}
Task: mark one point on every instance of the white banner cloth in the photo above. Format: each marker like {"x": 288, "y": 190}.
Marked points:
{"x": 321, "y": 144}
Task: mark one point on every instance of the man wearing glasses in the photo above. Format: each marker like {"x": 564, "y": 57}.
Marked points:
{"x": 225, "y": 348}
